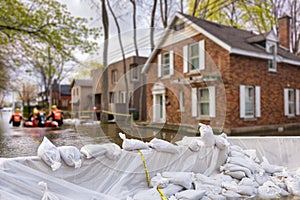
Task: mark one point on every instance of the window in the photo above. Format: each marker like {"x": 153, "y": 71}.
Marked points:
{"x": 204, "y": 102}
{"x": 77, "y": 91}
{"x": 166, "y": 64}
{"x": 297, "y": 102}
{"x": 114, "y": 77}
{"x": 122, "y": 97}
{"x": 178, "y": 27}
{"x": 289, "y": 102}
{"x": 271, "y": 48}
{"x": 64, "y": 103}
{"x": 134, "y": 72}
{"x": 194, "y": 57}
{"x": 111, "y": 97}
{"x": 249, "y": 101}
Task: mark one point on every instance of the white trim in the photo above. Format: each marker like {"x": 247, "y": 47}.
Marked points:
{"x": 171, "y": 64}
{"x": 286, "y": 101}
{"x": 159, "y": 65}
{"x": 257, "y": 101}
{"x": 201, "y": 49}
{"x": 242, "y": 101}
{"x": 212, "y": 101}
{"x": 194, "y": 102}
{"x": 297, "y": 102}
{"x": 185, "y": 59}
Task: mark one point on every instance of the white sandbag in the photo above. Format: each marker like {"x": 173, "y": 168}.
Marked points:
{"x": 163, "y": 146}
{"x": 251, "y": 153}
{"x": 149, "y": 194}
{"x": 235, "y": 148}
{"x": 207, "y": 135}
{"x": 246, "y": 162}
{"x": 221, "y": 177}
{"x": 261, "y": 178}
{"x": 70, "y": 155}
{"x": 236, "y": 174}
{"x": 207, "y": 180}
{"x": 190, "y": 194}
{"x": 47, "y": 195}
{"x": 207, "y": 187}
{"x": 232, "y": 168}
{"x": 110, "y": 150}
{"x": 246, "y": 190}
{"x": 171, "y": 189}
{"x": 221, "y": 142}
{"x": 185, "y": 179}
{"x": 293, "y": 186}
{"x": 159, "y": 181}
{"x": 216, "y": 196}
{"x": 229, "y": 194}
{"x": 232, "y": 185}
{"x": 132, "y": 144}
{"x": 271, "y": 169}
{"x": 49, "y": 154}
{"x": 269, "y": 191}
{"x": 234, "y": 153}
{"x": 193, "y": 143}
{"x": 248, "y": 182}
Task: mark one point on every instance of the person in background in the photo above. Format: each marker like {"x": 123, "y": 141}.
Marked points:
{"x": 16, "y": 118}
{"x": 56, "y": 116}
{"x": 34, "y": 119}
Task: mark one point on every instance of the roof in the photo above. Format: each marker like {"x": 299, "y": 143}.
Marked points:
{"x": 82, "y": 82}
{"x": 236, "y": 41}
{"x": 65, "y": 89}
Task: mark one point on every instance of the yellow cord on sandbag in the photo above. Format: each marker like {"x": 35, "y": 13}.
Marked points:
{"x": 163, "y": 197}
{"x": 145, "y": 167}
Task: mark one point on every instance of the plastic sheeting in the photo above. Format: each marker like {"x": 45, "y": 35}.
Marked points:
{"x": 100, "y": 177}
{"x": 278, "y": 150}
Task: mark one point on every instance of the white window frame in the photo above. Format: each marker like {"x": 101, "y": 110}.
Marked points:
{"x": 134, "y": 73}
{"x": 272, "y": 48}
{"x": 297, "y": 102}
{"x": 181, "y": 100}
{"x": 114, "y": 76}
{"x": 187, "y": 66}
{"x": 289, "y": 102}
{"x": 165, "y": 66}
{"x": 196, "y": 102}
{"x": 255, "y": 101}
{"x": 122, "y": 97}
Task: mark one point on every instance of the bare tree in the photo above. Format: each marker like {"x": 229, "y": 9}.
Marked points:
{"x": 134, "y": 27}
{"x": 152, "y": 19}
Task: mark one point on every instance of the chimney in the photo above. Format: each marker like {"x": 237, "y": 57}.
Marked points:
{"x": 284, "y": 31}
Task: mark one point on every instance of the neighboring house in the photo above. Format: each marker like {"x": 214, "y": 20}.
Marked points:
{"x": 121, "y": 99}
{"x": 232, "y": 79}
{"x": 61, "y": 95}
{"x": 81, "y": 97}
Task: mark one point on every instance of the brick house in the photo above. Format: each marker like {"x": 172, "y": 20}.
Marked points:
{"x": 233, "y": 79}
{"x": 61, "y": 95}
{"x": 81, "y": 97}
{"x": 117, "y": 92}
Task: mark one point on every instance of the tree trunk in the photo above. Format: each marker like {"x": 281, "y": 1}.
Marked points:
{"x": 152, "y": 25}
{"x": 105, "y": 22}
{"x": 134, "y": 27}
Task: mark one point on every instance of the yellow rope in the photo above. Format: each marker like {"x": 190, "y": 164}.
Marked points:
{"x": 113, "y": 113}
{"x": 163, "y": 197}
{"x": 145, "y": 167}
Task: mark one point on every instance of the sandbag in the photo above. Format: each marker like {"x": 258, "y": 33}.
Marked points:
{"x": 49, "y": 154}
{"x": 183, "y": 179}
{"x": 111, "y": 150}
{"x": 207, "y": 135}
{"x": 163, "y": 146}
{"x": 132, "y": 144}
{"x": 70, "y": 155}
{"x": 190, "y": 195}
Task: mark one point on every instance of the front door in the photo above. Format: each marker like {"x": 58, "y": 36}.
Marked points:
{"x": 159, "y": 109}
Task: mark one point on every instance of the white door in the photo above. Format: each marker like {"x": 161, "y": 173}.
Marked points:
{"x": 159, "y": 108}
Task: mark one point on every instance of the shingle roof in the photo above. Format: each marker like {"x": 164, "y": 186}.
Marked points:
{"x": 82, "y": 82}
{"x": 65, "y": 89}
{"x": 237, "y": 38}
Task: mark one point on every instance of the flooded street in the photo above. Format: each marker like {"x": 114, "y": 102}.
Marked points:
{"x": 21, "y": 141}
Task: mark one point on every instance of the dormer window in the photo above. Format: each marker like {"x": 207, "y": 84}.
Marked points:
{"x": 271, "y": 47}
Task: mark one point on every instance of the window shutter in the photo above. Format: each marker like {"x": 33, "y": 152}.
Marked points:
{"x": 194, "y": 102}
{"x": 172, "y": 62}
{"x": 257, "y": 101}
{"x": 286, "y": 101}
{"x": 185, "y": 59}
{"x": 201, "y": 54}
{"x": 242, "y": 101}
{"x": 159, "y": 65}
{"x": 212, "y": 101}
{"x": 297, "y": 102}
